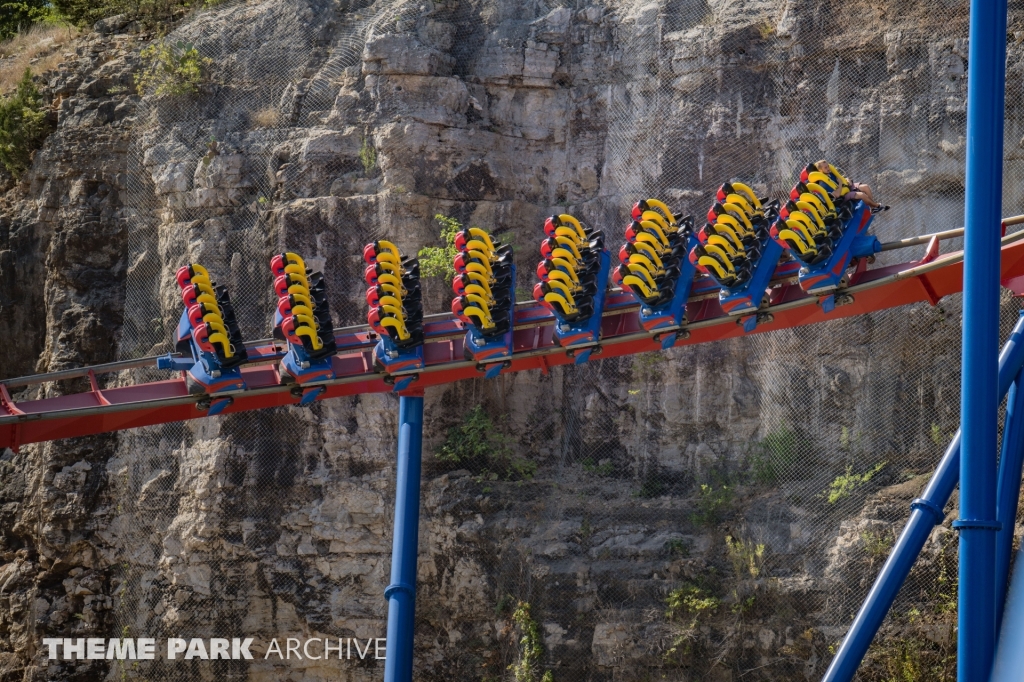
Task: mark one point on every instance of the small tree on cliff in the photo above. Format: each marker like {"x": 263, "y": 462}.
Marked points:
{"x": 18, "y": 15}
{"x": 23, "y": 125}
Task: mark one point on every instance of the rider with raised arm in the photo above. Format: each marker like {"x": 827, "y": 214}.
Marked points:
{"x": 847, "y": 190}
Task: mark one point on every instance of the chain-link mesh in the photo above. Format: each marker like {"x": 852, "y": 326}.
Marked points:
{"x": 715, "y": 510}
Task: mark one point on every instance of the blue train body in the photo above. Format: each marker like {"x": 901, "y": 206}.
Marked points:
{"x": 855, "y": 242}
{"x": 581, "y": 336}
{"x": 205, "y": 373}
{"x": 666, "y": 319}
{"x": 493, "y": 352}
{"x": 301, "y": 368}
{"x": 400, "y": 364}
{"x": 746, "y": 298}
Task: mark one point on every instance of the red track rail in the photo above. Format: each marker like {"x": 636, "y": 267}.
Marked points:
{"x": 114, "y": 409}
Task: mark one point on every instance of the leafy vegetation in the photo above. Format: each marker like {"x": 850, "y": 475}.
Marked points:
{"x": 916, "y": 648}
{"x": 171, "y": 69}
{"x": 476, "y": 444}
{"x": 368, "y": 156}
{"x": 843, "y": 485}
{"x": 690, "y": 600}
{"x": 531, "y": 647}
{"x": 438, "y": 261}
{"x": 687, "y": 607}
{"x": 877, "y": 544}
{"x": 677, "y": 547}
{"x": 947, "y": 588}
{"x": 775, "y": 456}
{"x": 86, "y": 12}
{"x": 586, "y": 531}
{"x": 742, "y": 605}
{"x": 712, "y": 503}
{"x": 23, "y": 125}
{"x": 18, "y": 15}
{"x": 910, "y": 658}
{"x": 652, "y": 486}
{"x": 602, "y": 468}
{"x": 504, "y": 602}
{"x": 766, "y": 29}
{"x": 747, "y": 558}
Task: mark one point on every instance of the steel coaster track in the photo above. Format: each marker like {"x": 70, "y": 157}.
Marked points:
{"x": 98, "y": 410}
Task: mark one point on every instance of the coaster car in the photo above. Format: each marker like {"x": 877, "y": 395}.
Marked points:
{"x": 209, "y": 332}
{"x": 574, "y": 272}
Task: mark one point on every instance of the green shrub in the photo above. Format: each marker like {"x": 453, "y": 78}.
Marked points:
{"x": 910, "y": 657}
{"x": 766, "y": 29}
{"x": 877, "y": 545}
{"x": 746, "y": 557}
{"x": 687, "y": 606}
{"x": 844, "y": 484}
{"x": 741, "y": 606}
{"x": 439, "y": 261}
{"x": 592, "y": 467}
{"x": 652, "y": 486}
{"x": 938, "y": 437}
{"x": 476, "y": 444}
{"x": 18, "y": 15}
{"x": 712, "y": 503}
{"x": 23, "y": 125}
{"x": 87, "y": 12}
{"x": 677, "y": 547}
{"x": 84, "y": 12}
{"x": 368, "y": 156}
{"x": 775, "y": 456}
{"x": 171, "y": 69}
{"x": 531, "y": 647}
{"x": 690, "y": 600}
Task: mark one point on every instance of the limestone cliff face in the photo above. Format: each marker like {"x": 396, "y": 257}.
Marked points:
{"x": 324, "y": 125}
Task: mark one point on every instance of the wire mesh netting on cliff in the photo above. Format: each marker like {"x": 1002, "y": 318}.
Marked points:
{"x": 694, "y": 514}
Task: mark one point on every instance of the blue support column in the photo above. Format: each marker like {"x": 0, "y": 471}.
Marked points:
{"x": 1010, "y": 654}
{"x": 986, "y": 82}
{"x": 1011, "y": 460}
{"x": 926, "y": 512}
{"x": 401, "y": 593}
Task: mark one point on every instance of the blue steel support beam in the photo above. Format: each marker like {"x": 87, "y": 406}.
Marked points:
{"x": 401, "y": 593}
{"x": 926, "y": 512}
{"x": 1010, "y": 654}
{"x": 1008, "y": 493}
{"x": 986, "y": 85}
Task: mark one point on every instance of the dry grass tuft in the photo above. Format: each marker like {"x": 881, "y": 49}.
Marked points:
{"x": 38, "y": 48}
{"x": 266, "y": 118}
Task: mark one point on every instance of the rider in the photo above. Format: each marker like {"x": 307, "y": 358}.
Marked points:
{"x": 857, "y": 190}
